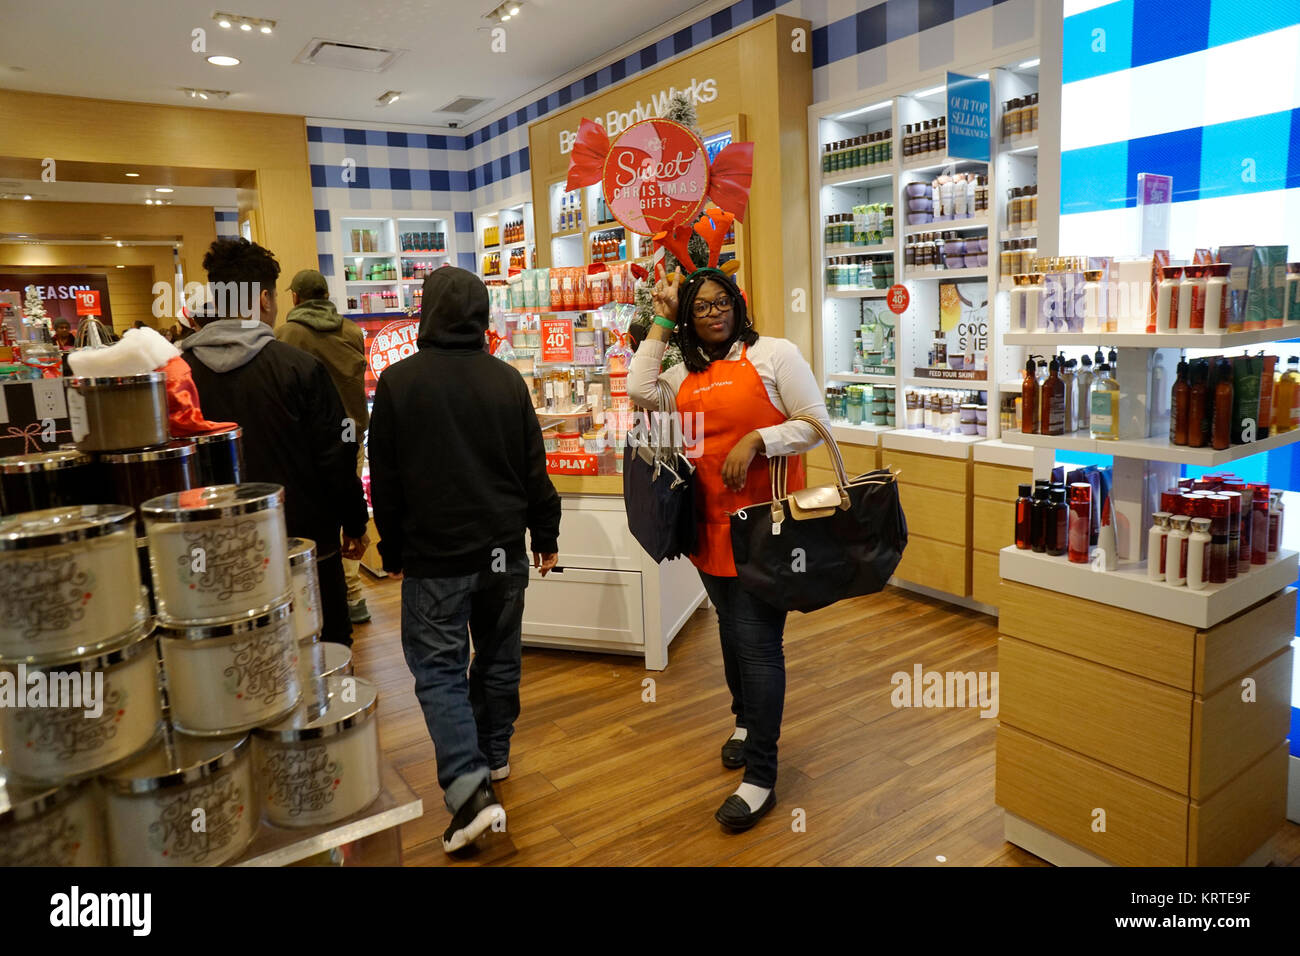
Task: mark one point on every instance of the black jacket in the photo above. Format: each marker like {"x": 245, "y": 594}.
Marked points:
{"x": 292, "y": 418}
{"x": 457, "y": 463}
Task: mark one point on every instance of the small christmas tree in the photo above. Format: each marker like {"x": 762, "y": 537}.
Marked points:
{"x": 34, "y": 308}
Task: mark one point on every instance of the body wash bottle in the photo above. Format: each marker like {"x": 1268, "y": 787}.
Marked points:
{"x": 1179, "y": 401}
{"x": 1167, "y": 300}
{"x": 1082, "y": 391}
{"x": 1156, "y": 535}
{"x": 1104, "y": 406}
{"x": 1024, "y": 519}
{"x": 1198, "y": 544}
{"x": 1029, "y": 400}
{"x": 1176, "y": 551}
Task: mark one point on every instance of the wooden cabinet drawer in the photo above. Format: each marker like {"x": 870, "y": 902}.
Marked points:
{"x": 985, "y": 583}
{"x": 1130, "y": 723}
{"x": 932, "y": 513}
{"x": 947, "y": 474}
{"x": 1229, "y": 734}
{"x": 1147, "y": 646}
{"x": 1060, "y": 791}
{"x": 1227, "y": 649}
{"x": 1000, "y": 481}
{"x": 936, "y": 564}
{"x": 597, "y": 607}
{"x": 858, "y": 459}
{"x": 993, "y": 524}
{"x": 1232, "y": 824}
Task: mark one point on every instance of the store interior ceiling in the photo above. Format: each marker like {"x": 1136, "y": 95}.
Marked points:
{"x": 144, "y": 51}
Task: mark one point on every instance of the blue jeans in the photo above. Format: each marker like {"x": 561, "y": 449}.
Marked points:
{"x": 753, "y": 660}
{"x": 470, "y": 718}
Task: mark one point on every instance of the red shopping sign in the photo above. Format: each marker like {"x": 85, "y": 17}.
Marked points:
{"x": 87, "y": 302}
{"x": 897, "y": 299}
{"x": 557, "y": 340}
{"x": 570, "y": 463}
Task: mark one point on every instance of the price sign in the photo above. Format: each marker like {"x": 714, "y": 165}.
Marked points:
{"x": 557, "y": 340}
{"x": 897, "y": 299}
{"x": 88, "y": 302}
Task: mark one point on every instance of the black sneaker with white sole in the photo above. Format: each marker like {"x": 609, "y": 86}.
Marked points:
{"x": 477, "y": 815}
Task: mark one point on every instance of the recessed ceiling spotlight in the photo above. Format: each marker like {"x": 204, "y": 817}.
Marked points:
{"x": 197, "y": 94}
{"x": 147, "y": 202}
{"x": 386, "y": 99}
{"x": 164, "y": 189}
{"x": 265, "y": 29}
{"x": 121, "y": 267}
{"x": 133, "y": 175}
{"x": 514, "y": 9}
{"x": 246, "y": 27}
{"x": 119, "y": 243}
{"x": 224, "y": 23}
{"x": 28, "y": 196}
{"x": 504, "y": 12}
{"x": 245, "y": 24}
{"x": 219, "y": 60}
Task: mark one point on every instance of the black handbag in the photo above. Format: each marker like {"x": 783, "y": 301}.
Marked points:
{"x": 808, "y": 549}
{"x": 659, "y": 484}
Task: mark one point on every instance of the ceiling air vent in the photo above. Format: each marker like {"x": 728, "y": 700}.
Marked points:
{"x": 463, "y": 104}
{"x": 347, "y": 56}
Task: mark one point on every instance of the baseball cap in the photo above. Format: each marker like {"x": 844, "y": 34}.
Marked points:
{"x": 310, "y": 284}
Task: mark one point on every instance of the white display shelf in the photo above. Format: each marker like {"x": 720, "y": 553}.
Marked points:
{"x": 371, "y": 282}
{"x": 1159, "y": 448}
{"x": 425, "y": 255}
{"x": 928, "y": 443}
{"x": 1007, "y": 235}
{"x": 370, "y": 255}
{"x": 996, "y": 451}
{"x": 1129, "y": 587}
{"x": 1157, "y": 340}
{"x": 848, "y": 249}
{"x": 278, "y": 846}
{"x": 976, "y": 272}
{"x": 847, "y": 292}
{"x": 948, "y": 225}
{"x": 961, "y": 384}
{"x": 1010, "y": 386}
{"x": 859, "y": 176}
{"x": 858, "y": 434}
{"x": 939, "y": 162}
{"x": 1021, "y": 144}
{"x": 862, "y": 379}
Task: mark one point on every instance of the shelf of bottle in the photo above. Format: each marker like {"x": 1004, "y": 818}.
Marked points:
{"x": 859, "y": 175}
{"x": 1129, "y": 587}
{"x": 997, "y": 451}
{"x": 861, "y": 379}
{"x": 925, "y": 442}
{"x": 948, "y": 225}
{"x": 442, "y": 254}
{"x": 1020, "y": 144}
{"x": 849, "y": 249}
{"x": 939, "y": 162}
{"x": 420, "y": 281}
{"x": 1006, "y": 235}
{"x": 1010, "y": 386}
{"x": 977, "y": 272}
{"x": 854, "y": 292}
{"x": 1159, "y": 448}
{"x": 858, "y": 434}
{"x": 610, "y": 226}
{"x": 569, "y": 234}
{"x": 371, "y": 282}
{"x": 1157, "y": 340}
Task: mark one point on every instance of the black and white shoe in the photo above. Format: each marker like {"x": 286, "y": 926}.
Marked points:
{"x": 734, "y": 814}
{"x": 733, "y": 754}
{"x": 500, "y": 773}
{"x": 479, "y": 813}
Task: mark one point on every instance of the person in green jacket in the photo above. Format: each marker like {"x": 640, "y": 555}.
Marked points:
{"x": 315, "y": 326}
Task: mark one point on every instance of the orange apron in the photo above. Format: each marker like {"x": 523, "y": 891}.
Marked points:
{"x": 730, "y": 398}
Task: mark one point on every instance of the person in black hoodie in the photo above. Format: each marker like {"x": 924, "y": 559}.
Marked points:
{"x": 295, "y": 429}
{"x": 457, "y": 473}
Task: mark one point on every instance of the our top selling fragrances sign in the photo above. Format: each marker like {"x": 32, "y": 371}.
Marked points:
{"x": 968, "y": 117}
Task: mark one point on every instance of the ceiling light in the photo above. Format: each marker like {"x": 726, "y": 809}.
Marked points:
{"x": 147, "y": 202}
{"x": 28, "y": 196}
{"x": 218, "y": 60}
{"x": 390, "y": 97}
{"x": 164, "y": 189}
{"x": 223, "y": 22}
{"x": 1028, "y": 64}
{"x": 121, "y": 267}
{"x": 108, "y": 237}
{"x": 505, "y": 17}
{"x": 245, "y": 27}
{"x": 133, "y": 175}
{"x": 119, "y": 243}
{"x": 22, "y": 237}
{"x": 266, "y": 29}
{"x": 203, "y": 96}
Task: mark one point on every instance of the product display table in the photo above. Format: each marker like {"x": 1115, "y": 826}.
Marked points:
{"x": 397, "y": 804}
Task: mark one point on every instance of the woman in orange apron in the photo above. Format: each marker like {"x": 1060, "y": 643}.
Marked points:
{"x": 741, "y": 388}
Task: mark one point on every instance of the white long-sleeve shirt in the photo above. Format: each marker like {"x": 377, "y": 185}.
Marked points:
{"x": 784, "y": 372}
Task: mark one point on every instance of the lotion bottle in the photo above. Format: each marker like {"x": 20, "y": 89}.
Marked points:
{"x": 1198, "y": 568}
{"x": 1176, "y": 551}
{"x": 1156, "y": 536}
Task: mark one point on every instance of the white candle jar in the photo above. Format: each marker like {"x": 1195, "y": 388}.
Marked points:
{"x": 109, "y": 720}
{"x": 51, "y": 826}
{"x": 218, "y": 553}
{"x": 69, "y": 581}
{"x": 306, "y": 588}
{"x": 227, "y": 678}
{"x": 151, "y": 804}
{"x": 311, "y": 659}
{"x": 315, "y": 769}
{"x": 329, "y": 660}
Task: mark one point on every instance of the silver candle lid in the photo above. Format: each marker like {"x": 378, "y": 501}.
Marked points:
{"x": 108, "y": 381}
{"x": 54, "y": 526}
{"x": 225, "y": 435}
{"x": 338, "y": 660}
{"x": 175, "y": 761}
{"x": 214, "y": 502}
{"x": 301, "y": 551}
{"x": 280, "y": 613}
{"x": 340, "y": 714}
{"x": 20, "y": 802}
{"x": 92, "y": 657}
{"x": 43, "y": 461}
{"x": 176, "y": 448}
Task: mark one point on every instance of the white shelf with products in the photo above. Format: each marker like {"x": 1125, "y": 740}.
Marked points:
{"x": 1002, "y": 451}
{"x": 1021, "y": 144}
{"x": 385, "y": 229}
{"x": 859, "y": 434}
{"x": 970, "y": 223}
{"x": 1129, "y": 587}
{"x": 1025, "y": 232}
{"x": 1159, "y": 448}
{"x": 859, "y": 176}
{"x": 847, "y": 249}
{"x": 864, "y": 379}
{"x": 912, "y": 272}
{"x": 847, "y": 293}
{"x": 499, "y": 215}
{"x": 940, "y": 163}
{"x": 1154, "y": 340}
{"x": 930, "y": 443}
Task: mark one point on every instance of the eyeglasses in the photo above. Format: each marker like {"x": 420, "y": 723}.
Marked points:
{"x": 701, "y": 308}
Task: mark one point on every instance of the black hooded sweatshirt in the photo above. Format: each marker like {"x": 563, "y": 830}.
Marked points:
{"x": 457, "y": 462}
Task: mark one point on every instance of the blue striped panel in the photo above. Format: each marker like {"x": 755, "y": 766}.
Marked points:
{"x": 322, "y": 220}
{"x": 1097, "y": 42}
{"x": 1293, "y": 163}
{"x": 1232, "y": 20}
{"x": 1095, "y": 178}
{"x": 1164, "y": 29}
{"x": 466, "y": 261}
{"x": 325, "y": 264}
{"x": 226, "y": 216}
{"x": 1263, "y": 140}
{"x": 1176, "y": 154}
{"x": 464, "y": 222}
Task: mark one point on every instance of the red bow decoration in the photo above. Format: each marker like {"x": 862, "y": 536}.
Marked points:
{"x": 184, "y": 417}
{"x": 587, "y": 161}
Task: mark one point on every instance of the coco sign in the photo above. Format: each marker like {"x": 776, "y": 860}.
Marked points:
{"x": 656, "y": 173}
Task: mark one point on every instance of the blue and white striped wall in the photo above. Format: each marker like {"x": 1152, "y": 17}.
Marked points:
{"x": 227, "y": 222}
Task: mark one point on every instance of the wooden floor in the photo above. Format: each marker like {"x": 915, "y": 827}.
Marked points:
{"x": 601, "y": 777}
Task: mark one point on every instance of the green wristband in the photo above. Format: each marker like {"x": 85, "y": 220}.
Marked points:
{"x": 668, "y": 324}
